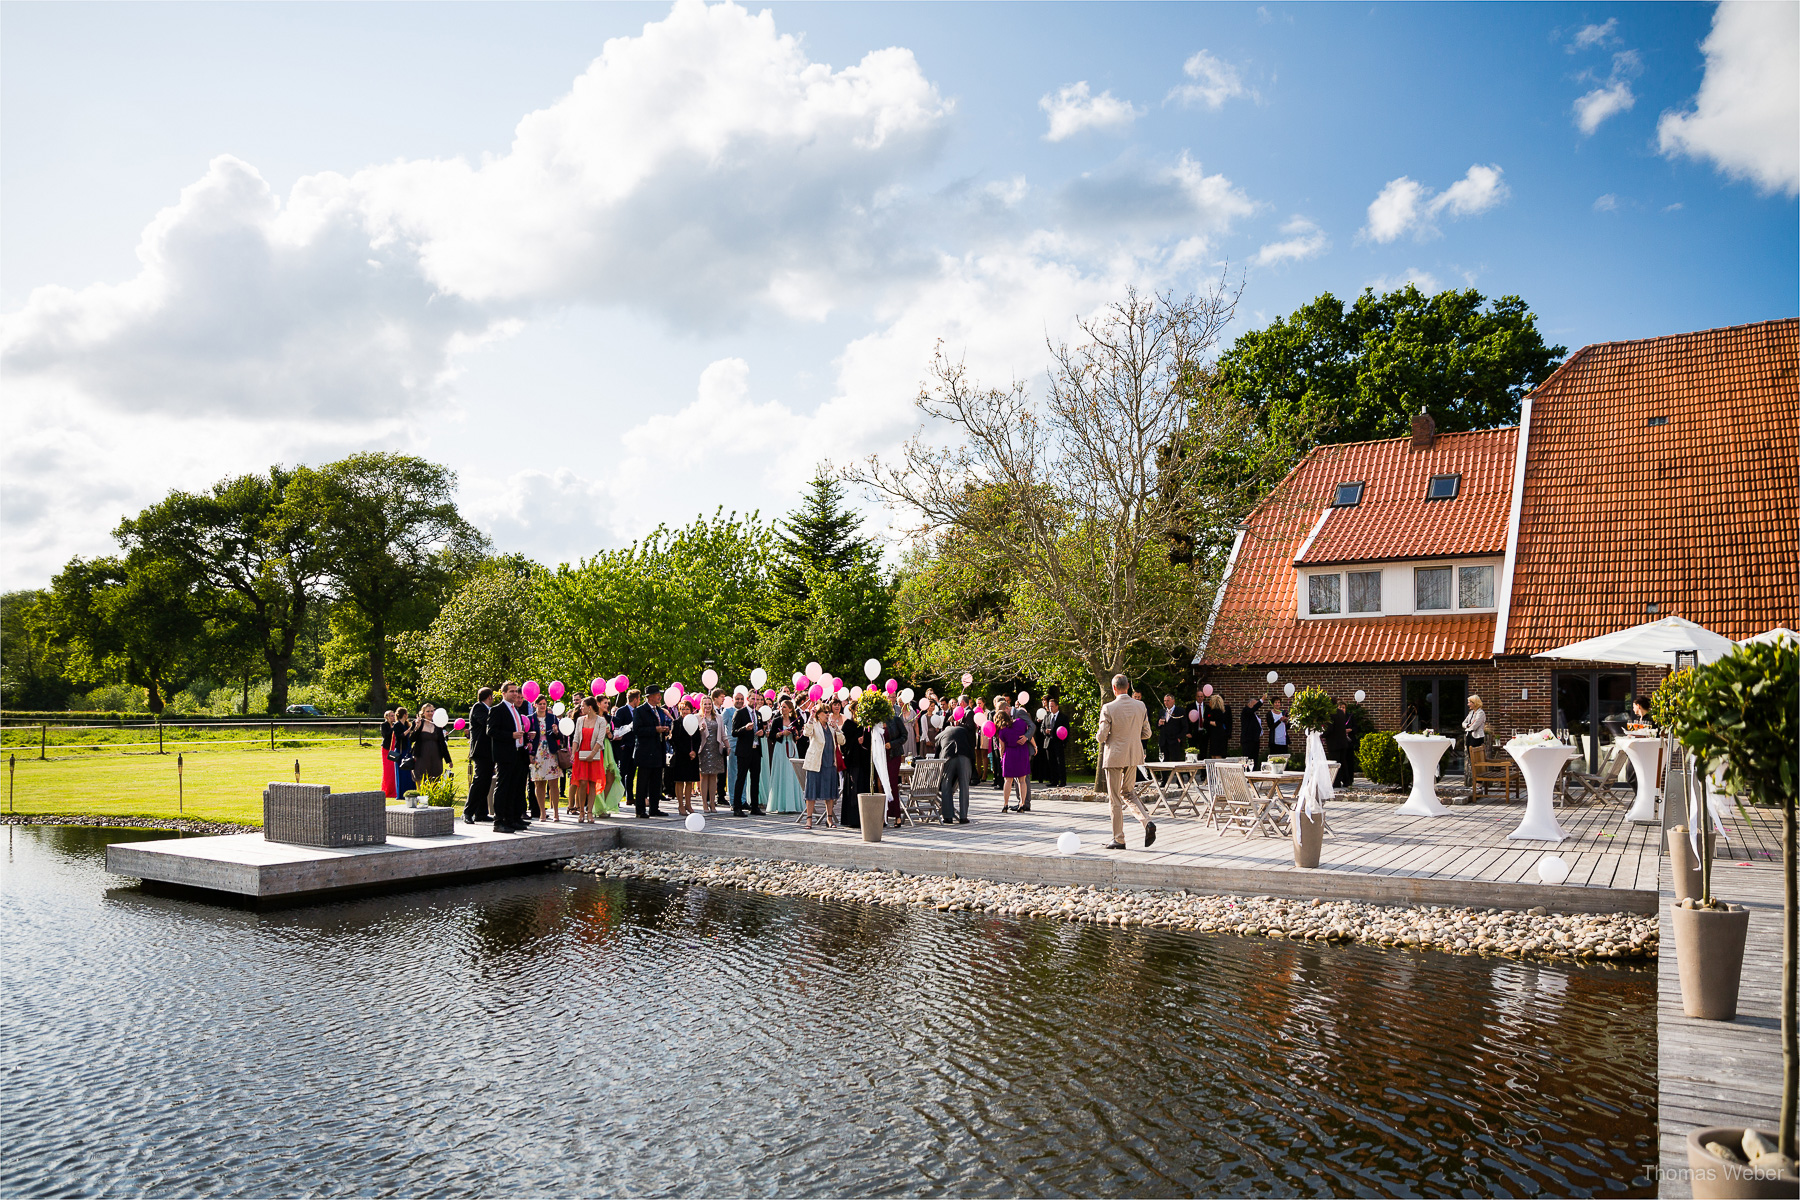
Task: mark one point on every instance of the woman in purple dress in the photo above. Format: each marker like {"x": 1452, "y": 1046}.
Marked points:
{"x": 1013, "y": 741}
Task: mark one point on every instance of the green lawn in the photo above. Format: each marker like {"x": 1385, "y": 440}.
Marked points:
{"x": 220, "y": 783}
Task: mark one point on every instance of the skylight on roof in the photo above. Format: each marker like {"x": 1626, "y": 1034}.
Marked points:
{"x": 1444, "y": 487}
{"x": 1349, "y": 495}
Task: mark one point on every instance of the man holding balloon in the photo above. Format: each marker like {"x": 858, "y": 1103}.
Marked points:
{"x": 507, "y": 727}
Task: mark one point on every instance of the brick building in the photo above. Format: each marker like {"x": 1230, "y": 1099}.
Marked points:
{"x": 1646, "y": 478}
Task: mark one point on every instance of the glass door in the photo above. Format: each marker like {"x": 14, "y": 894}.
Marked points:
{"x": 1584, "y": 700}
{"x": 1436, "y": 702}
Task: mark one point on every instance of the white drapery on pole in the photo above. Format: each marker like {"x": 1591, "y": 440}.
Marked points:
{"x": 1315, "y": 789}
{"x": 878, "y": 747}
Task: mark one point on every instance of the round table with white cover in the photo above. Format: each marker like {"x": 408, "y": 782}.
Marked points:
{"x": 1424, "y": 753}
{"x": 1644, "y": 753}
{"x": 1540, "y": 763}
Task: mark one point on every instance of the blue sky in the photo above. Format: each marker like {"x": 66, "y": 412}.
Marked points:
{"x": 728, "y": 254}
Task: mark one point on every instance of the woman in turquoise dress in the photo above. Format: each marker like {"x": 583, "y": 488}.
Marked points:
{"x": 780, "y": 786}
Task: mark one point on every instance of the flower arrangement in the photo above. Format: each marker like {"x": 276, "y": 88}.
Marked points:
{"x": 1542, "y": 737}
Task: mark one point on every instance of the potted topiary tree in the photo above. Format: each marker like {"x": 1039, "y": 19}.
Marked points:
{"x": 872, "y": 709}
{"x": 1312, "y": 710}
{"x": 1665, "y": 709}
{"x": 1741, "y": 712}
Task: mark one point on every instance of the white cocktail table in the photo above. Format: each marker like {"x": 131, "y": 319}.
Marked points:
{"x": 1424, "y": 753}
{"x": 1540, "y": 763}
{"x": 1644, "y": 753}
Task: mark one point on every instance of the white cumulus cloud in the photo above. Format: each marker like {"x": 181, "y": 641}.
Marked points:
{"x": 1746, "y": 116}
{"x": 1211, "y": 81}
{"x": 1405, "y": 205}
{"x": 1612, "y": 96}
{"x": 1152, "y": 197}
{"x": 1589, "y": 36}
{"x": 1425, "y": 281}
{"x": 1304, "y": 240}
{"x": 1073, "y": 110}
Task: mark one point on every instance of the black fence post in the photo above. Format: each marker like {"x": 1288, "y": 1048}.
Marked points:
{"x": 180, "y": 786}
{"x": 12, "y": 769}
{"x": 43, "y": 740}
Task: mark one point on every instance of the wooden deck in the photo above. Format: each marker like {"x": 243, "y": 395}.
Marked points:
{"x": 1722, "y": 1072}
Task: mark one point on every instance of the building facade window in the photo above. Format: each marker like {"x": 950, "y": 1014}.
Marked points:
{"x": 1475, "y": 587}
{"x": 1444, "y": 487}
{"x": 1431, "y": 589}
{"x": 1322, "y": 595}
{"x": 1348, "y": 495}
{"x": 1365, "y": 591}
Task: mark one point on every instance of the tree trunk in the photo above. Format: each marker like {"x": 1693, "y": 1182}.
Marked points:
{"x": 279, "y": 662}
{"x": 155, "y": 694}
{"x": 377, "y": 667}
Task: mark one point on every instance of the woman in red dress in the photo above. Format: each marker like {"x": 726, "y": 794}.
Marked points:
{"x": 587, "y": 775}
{"x": 387, "y": 764}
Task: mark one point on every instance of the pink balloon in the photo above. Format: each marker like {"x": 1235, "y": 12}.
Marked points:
{"x": 799, "y": 679}
{"x": 1207, "y": 690}
{"x": 460, "y": 723}
{"x": 957, "y": 715}
{"x": 836, "y": 683}
{"x": 598, "y": 687}
{"x": 815, "y": 691}
{"x": 988, "y": 729}
{"x": 623, "y": 683}
{"x": 893, "y": 687}
{"x": 1193, "y": 714}
{"x": 1062, "y": 733}
{"x": 530, "y": 691}
{"x": 967, "y": 679}
{"x": 557, "y": 689}
{"x": 768, "y": 693}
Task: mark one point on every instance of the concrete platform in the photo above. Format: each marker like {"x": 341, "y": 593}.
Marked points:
{"x": 244, "y": 865}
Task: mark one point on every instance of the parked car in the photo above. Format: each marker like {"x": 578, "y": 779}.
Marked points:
{"x": 304, "y": 710}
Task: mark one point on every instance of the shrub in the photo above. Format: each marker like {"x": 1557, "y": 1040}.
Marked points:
{"x": 1741, "y": 709}
{"x": 439, "y": 791}
{"x": 1382, "y": 761}
{"x": 1670, "y": 695}
{"x": 1312, "y": 709}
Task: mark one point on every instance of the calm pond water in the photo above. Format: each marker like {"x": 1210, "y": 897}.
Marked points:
{"x": 559, "y": 1033}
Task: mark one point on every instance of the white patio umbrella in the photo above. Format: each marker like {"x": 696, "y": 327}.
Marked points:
{"x": 1654, "y": 642}
{"x": 1772, "y": 635}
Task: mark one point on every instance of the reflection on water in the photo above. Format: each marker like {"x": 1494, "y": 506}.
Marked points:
{"x": 559, "y": 1032}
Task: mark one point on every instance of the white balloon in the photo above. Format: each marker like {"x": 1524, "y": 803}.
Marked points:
{"x": 1359, "y": 695}
{"x": 764, "y": 712}
{"x": 690, "y": 722}
{"x": 611, "y": 686}
{"x": 695, "y": 822}
{"x": 1024, "y": 697}
{"x": 441, "y": 717}
{"x": 906, "y": 694}
{"x": 1274, "y": 675}
{"x": 813, "y": 671}
{"x": 1290, "y": 689}
{"x": 937, "y": 720}
{"x": 709, "y": 678}
{"x": 740, "y": 690}
{"x": 1552, "y": 868}
{"x": 1040, "y": 714}
{"x": 1069, "y": 843}
{"x": 758, "y": 677}
{"x": 843, "y": 693}
{"x": 856, "y": 693}
{"x": 872, "y": 668}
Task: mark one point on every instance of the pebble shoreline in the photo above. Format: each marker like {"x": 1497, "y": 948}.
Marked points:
{"x": 179, "y": 824}
{"x": 1533, "y": 934}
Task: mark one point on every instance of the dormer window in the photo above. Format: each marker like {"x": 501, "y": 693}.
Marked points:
{"x": 1444, "y": 487}
{"x": 1349, "y": 495}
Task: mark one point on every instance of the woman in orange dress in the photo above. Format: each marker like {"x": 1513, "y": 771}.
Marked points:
{"x": 587, "y": 776}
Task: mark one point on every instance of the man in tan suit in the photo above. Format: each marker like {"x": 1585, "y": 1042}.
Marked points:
{"x": 1124, "y": 724}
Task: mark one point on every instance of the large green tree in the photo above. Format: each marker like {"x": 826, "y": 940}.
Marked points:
{"x": 1331, "y": 372}
{"x": 134, "y": 616}
{"x": 831, "y": 599}
{"x": 395, "y": 543}
{"x": 32, "y": 671}
{"x": 491, "y": 629}
{"x": 254, "y": 557}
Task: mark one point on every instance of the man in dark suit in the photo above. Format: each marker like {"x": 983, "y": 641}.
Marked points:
{"x": 507, "y": 727}
{"x": 856, "y": 768}
{"x": 746, "y": 732}
{"x": 1250, "y": 732}
{"x": 481, "y": 759}
{"x": 1171, "y": 730}
{"x": 625, "y": 748}
{"x": 649, "y": 750}
{"x": 1056, "y": 771}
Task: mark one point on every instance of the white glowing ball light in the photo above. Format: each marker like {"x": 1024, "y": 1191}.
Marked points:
{"x": 691, "y": 723}
{"x": 1553, "y": 868}
{"x": 567, "y": 725}
{"x": 441, "y": 717}
{"x": 1360, "y": 695}
{"x": 872, "y": 668}
{"x": 1274, "y": 675}
{"x": 1290, "y": 691}
{"x": 758, "y": 677}
{"x": 695, "y": 822}
{"x": 1069, "y": 843}
{"x": 906, "y": 694}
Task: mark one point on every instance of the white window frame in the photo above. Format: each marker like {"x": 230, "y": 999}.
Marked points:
{"x": 1398, "y": 588}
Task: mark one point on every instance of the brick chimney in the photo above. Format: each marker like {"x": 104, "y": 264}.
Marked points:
{"x": 1424, "y": 431}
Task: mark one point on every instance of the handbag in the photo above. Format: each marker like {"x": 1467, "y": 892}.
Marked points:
{"x": 565, "y": 759}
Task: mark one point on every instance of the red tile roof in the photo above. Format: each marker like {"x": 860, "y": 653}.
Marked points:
{"x": 1697, "y": 515}
{"x": 1256, "y": 622}
{"x": 1395, "y": 520}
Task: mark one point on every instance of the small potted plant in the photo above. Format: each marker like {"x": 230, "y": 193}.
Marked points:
{"x": 1312, "y": 710}
{"x": 1740, "y": 712}
{"x": 1665, "y": 709}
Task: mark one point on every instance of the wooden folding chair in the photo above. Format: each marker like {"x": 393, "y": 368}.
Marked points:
{"x": 1241, "y": 807}
{"x": 920, "y": 800}
{"x": 1485, "y": 774}
{"x": 1580, "y": 787}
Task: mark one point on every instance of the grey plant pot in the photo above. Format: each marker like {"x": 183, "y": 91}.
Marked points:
{"x": 1709, "y": 954}
{"x": 872, "y": 807}
{"x": 1683, "y": 866}
{"x": 1716, "y": 1179}
{"x": 1311, "y": 839}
